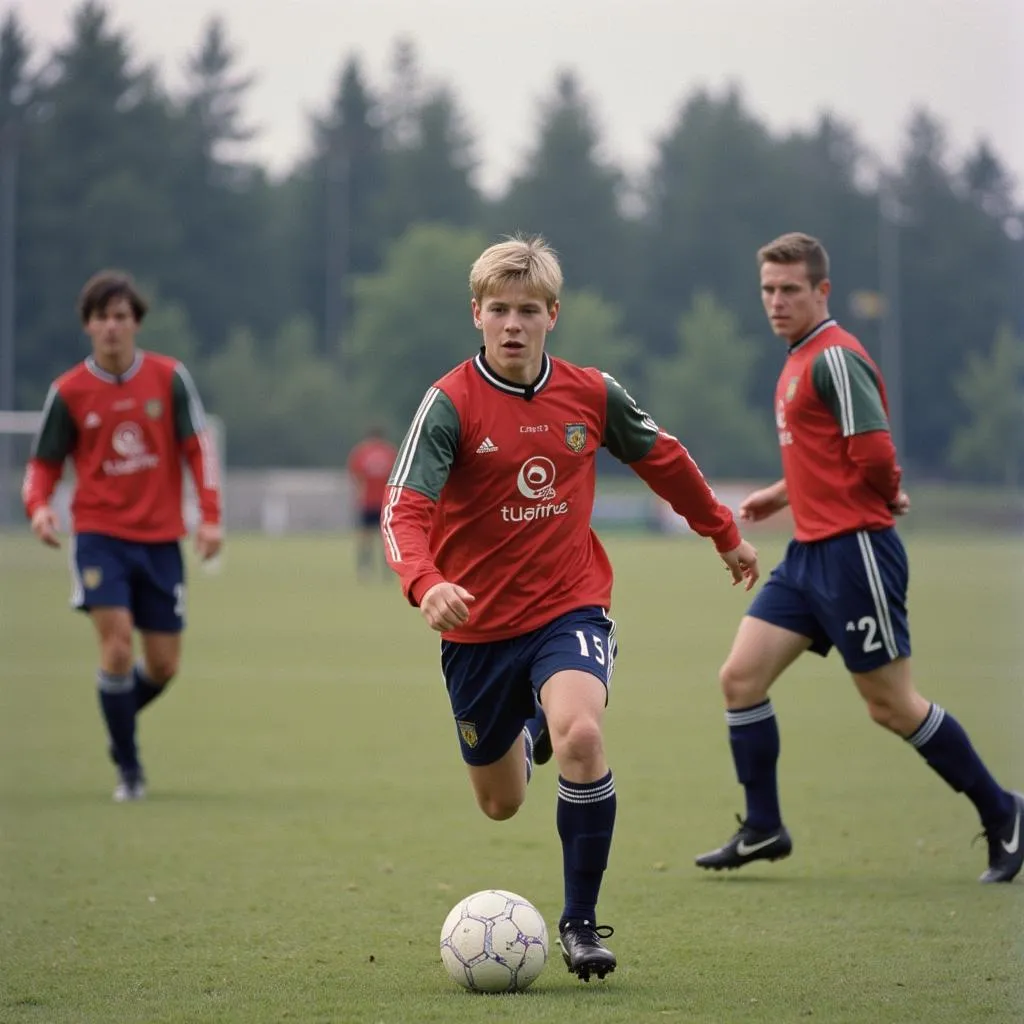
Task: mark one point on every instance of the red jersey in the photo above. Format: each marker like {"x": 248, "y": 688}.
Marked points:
{"x": 126, "y": 437}
{"x": 493, "y": 489}
{"x": 833, "y": 423}
{"x": 369, "y": 465}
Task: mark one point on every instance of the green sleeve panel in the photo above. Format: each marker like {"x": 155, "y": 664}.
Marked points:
{"x": 848, "y": 385}
{"x": 189, "y": 416}
{"x": 629, "y": 433}
{"x": 428, "y": 450}
{"x": 58, "y": 434}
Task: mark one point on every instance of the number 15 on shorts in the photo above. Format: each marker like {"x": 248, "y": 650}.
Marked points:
{"x": 592, "y": 648}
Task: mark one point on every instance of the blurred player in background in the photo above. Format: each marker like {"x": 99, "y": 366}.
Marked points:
{"x": 487, "y": 523}
{"x": 369, "y": 464}
{"x": 843, "y": 581}
{"x": 126, "y": 418}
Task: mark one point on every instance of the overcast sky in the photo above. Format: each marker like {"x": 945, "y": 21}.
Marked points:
{"x": 870, "y": 61}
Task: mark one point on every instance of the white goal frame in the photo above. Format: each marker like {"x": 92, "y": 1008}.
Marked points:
{"x": 12, "y": 422}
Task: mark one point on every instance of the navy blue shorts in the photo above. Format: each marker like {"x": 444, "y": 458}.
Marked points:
{"x": 847, "y": 592}
{"x": 147, "y": 579}
{"x": 492, "y": 686}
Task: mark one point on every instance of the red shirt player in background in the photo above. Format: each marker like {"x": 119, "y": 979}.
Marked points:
{"x": 126, "y": 419}
{"x": 843, "y": 581}
{"x": 487, "y": 524}
{"x": 369, "y": 465}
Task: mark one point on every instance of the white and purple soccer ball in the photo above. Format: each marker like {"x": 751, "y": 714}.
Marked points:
{"x": 494, "y": 941}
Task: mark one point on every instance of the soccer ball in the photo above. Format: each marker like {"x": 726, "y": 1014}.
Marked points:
{"x": 494, "y": 941}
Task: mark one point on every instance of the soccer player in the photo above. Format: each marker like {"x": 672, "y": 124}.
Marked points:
{"x": 487, "y": 524}
{"x": 843, "y": 580}
{"x": 126, "y": 419}
{"x": 369, "y": 464}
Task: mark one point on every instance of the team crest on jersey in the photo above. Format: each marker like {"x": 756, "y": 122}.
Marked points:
{"x": 154, "y": 408}
{"x": 576, "y": 436}
{"x": 791, "y": 388}
{"x": 467, "y": 730}
{"x": 92, "y": 577}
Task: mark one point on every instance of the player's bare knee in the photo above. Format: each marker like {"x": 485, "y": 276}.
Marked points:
{"x": 499, "y": 807}
{"x": 885, "y": 714}
{"x": 116, "y": 654}
{"x": 741, "y": 685}
{"x": 581, "y": 743}
{"x": 162, "y": 670}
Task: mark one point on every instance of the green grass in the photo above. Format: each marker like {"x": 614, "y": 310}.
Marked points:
{"x": 309, "y": 823}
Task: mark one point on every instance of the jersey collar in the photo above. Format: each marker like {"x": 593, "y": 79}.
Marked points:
{"x": 526, "y": 391}
{"x": 812, "y": 334}
{"x": 113, "y": 378}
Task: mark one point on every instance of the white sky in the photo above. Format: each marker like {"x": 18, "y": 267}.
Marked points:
{"x": 869, "y": 61}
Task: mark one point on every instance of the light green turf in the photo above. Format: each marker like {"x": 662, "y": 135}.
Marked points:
{"x": 310, "y": 824}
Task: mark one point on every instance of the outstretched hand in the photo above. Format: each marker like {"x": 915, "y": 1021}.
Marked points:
{"x": 445, "y": 606}
{"x": 742, "y": 564}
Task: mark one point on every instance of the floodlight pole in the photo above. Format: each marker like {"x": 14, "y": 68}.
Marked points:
{"x": 336, "y": 255}
{"x": 8, "y": 182}
{"x": 890, "y": 334}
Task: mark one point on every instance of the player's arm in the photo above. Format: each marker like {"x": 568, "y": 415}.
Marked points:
{"x": 425, "y": 459}
{"x": 761, "y": 504}
{"x": 668, "y": 469}
{"x": 848, "y": 385}
{"x": 53, "y": 444}
{"x": 199, "y": 451}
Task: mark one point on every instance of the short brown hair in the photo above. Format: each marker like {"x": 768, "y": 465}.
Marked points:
{"x": 796, "y": 247}
{"x": 528, "y": 262}
{"x": 103, "y": 288}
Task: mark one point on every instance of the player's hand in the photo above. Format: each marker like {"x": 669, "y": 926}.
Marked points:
{"x": 763, "y": 503}
{"x": 901, "y": 506}
{"x": 445, "y": 606}
{"x": 742, "y": 563}
{"x": 209, "y": 540}
{"x": 45, "y": 526}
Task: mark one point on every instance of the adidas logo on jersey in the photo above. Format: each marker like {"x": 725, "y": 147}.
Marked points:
{"x": 487, "y": 446}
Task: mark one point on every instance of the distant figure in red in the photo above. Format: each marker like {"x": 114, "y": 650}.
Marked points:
{"x": 369, "y": 465}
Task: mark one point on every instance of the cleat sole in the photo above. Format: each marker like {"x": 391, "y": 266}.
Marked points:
{"x": 743, "y": 864}
{"x": 585, "y": 971}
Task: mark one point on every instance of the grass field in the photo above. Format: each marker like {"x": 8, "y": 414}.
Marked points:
{"x": 309, "y": 823}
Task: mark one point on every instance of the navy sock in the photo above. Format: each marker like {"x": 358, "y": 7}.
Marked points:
{"x": 117, "y": 701}
{"x": 586, "y": 820}
{"x": 942, "y": 742}
{"x": 754, "y": 738}
{"x": 145, "y": 689}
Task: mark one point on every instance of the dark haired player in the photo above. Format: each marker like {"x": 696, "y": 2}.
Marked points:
{"x": 127, "y": 419}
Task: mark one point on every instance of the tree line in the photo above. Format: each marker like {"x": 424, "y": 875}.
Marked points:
{"x": 311, "y": 303}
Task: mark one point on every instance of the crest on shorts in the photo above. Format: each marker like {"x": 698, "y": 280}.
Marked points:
{"x": 576, "y": 436}
{"x": 791, "y": 388}
{"x": 154, "y": 408}
{"x": 467, "y": 730}
{"x": 92, "y": 577}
